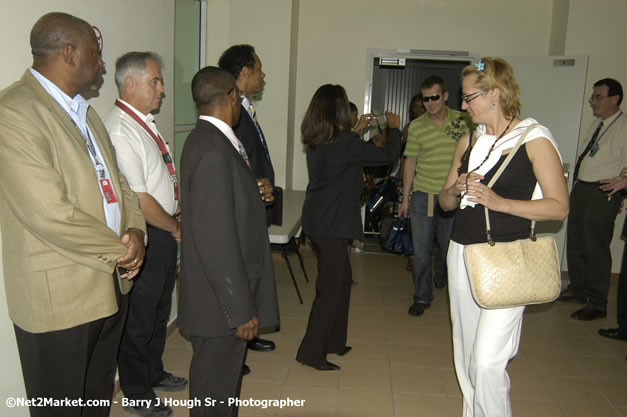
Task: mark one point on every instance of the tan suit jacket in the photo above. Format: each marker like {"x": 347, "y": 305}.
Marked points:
{"x": 58, "y": 253}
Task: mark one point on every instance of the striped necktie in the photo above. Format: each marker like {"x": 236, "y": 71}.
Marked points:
{"x": 251, "y": 109}
{"x": 242, "y": 152}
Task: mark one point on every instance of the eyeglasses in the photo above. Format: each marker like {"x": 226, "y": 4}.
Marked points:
{"x": 596, "y": 98}
{"x": 470, "y": 97}
{"x": 237, "y": 90}
{"x": 434, "y": 97}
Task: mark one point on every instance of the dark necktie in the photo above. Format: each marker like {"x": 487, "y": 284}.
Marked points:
{"x": 261, "y": 137}
{"x": 587, "y": 150}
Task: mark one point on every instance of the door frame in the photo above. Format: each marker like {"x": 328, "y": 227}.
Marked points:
{"x": 417, "y": 54}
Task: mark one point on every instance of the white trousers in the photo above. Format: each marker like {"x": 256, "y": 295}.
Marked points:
{"x": 483, "y": 343}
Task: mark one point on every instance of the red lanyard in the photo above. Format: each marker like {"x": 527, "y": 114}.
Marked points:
{"x": 167, "y": 159}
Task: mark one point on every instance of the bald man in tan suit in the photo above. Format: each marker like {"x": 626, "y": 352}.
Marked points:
{"x": 68, "y": 218}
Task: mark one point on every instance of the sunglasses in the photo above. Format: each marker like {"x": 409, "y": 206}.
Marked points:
{"x": 434, "y": 97}
{"x": 472, "y": 96}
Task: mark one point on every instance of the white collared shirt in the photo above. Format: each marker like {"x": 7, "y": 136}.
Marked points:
{"x": 611, "y": 155}
{"x": 224, "y": 128}
{"x": 139, "y": 156}
{"x": 76, "y": 108}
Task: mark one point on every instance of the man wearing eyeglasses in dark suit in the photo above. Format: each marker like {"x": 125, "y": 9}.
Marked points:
{"x": 593, "y": 210}
{"x": 429, "y": 151}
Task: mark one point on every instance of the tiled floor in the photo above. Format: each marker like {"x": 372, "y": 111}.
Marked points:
{"x": 401, "y": 366}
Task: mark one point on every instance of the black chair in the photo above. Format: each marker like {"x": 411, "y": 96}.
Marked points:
{"x": 288, "y": 248}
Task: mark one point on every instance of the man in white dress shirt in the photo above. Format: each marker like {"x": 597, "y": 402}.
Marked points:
{"x": 145, "y": 159}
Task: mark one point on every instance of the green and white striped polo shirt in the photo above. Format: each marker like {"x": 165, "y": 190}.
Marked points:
{"x": 433, "y": 147}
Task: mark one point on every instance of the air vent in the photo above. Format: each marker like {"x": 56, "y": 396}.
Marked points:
{"x": 392, "y": 62}
{"x": 563, "y": 62}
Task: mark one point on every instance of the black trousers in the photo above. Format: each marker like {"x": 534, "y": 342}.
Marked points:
{"x": 215, "y": 375}
{"x": 150, "y": 302}
{"x": 589, "y": 234}
{"x": 77, "y": 363}
{"x": 328, "y": 321}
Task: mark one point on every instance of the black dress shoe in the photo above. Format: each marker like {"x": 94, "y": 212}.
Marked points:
{"x": 327, "y": 366}
{"x": 261, "y": 345}
{"x": 588, "y": 313}
{"x": 568, "y": 296}
{"x": 245, "y": 370}
{"x": 345, "y": 350}
{"x": 615, "y": 334}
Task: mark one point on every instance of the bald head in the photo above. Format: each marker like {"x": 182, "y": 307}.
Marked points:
{"x": 66, "y": 51}
{"x": 55, "y": 30}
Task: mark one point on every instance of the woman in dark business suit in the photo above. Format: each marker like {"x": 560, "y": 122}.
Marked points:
{"x": 331, "y": 213}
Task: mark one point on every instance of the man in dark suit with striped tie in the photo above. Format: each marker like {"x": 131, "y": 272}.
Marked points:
{"x": 244, "y": 64}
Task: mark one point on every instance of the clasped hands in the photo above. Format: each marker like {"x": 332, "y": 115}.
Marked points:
{"x": 133, "y": 239}
{"x": 265, "y": 189}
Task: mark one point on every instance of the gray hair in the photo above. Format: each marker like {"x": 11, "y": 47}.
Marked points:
{"x": 133, "y": 63}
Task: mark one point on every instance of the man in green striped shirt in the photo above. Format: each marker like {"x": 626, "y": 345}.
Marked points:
{"x": 429, "y": 151}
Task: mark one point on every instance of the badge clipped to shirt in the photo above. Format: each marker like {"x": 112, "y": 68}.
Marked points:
{"x": 176, "y": 187}
{"x": 107, "y": 191}
{"x": 594, "y": 149}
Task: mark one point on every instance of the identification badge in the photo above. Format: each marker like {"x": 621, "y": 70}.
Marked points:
{"x": 594, "y": 150}
{"x": 107, "y": 191}
{"x": 176, "y": 187}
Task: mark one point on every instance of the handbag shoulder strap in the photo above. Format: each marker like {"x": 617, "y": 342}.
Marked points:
{"x": 496, "y": 176}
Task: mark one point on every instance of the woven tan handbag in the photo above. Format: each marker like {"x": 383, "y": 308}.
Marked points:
{"x": 510, "y": 274}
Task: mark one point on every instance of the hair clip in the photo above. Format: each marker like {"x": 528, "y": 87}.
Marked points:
{"x": 480, "y": 65}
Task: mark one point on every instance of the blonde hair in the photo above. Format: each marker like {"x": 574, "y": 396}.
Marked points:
{"x": 497, "y": 73}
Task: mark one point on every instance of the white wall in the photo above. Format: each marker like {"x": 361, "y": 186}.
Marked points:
{"x": 125, "y": 25}
{"x": 268, "y": 30}
{"x": 334, "y": 35}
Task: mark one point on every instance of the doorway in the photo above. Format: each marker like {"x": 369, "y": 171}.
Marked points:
{"x": 394, "y": 79}
{"x": 394, "y": 85}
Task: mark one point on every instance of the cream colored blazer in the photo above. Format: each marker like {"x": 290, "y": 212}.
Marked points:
{"x": 58, "y": 253}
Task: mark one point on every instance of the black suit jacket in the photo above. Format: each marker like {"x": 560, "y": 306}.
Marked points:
{"x": 331, "y": 208}
{"x": 226, "y": 263}
{"x": 258, "y": 153}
